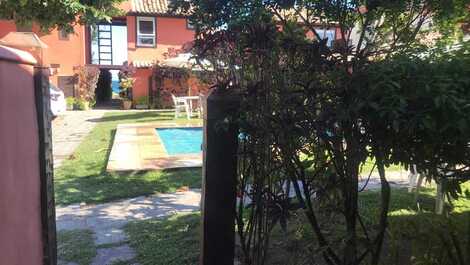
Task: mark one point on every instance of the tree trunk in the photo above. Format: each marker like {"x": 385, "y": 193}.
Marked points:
{"x": 385, "y": 203}
{"x": 350, "y": 191}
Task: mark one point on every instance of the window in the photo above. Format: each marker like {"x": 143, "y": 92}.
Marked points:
{"x": 327, "y": 34}
{"x": 63, "y": 35}
{"x": 146, "y": 31}
{"x": 189, "y": 25}
{"x": 24, "y": 27}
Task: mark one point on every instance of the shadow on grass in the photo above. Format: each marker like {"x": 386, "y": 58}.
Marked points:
{"x": 135, "y": 116}
{"x": 427, "y": 238}
{"x": 112, "y": 135}
{"x": 166, "y": 241}
{"x": 106, "y": 187}
{"x": 416, "y": 235}
{"x": 413, "y": 237}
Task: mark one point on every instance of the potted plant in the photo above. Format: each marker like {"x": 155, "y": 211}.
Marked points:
{"x": 69, "y": 102}
{"x": 126, "y": 82}
{"x": 126, "y": 85}
{"x": 142, "y": 103}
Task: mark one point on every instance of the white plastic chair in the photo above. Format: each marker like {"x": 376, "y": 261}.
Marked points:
{"x": 180, "y": 104}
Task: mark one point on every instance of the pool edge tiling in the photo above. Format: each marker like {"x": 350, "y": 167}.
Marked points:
{"x": 138, "y": 147}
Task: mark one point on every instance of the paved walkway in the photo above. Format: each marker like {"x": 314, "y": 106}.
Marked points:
{"x": 69, "y": 129}
{"x": 107, "y": 220}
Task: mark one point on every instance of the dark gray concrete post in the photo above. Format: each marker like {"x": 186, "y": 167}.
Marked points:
{"x": 219, "y": 178}
{"x": 41, "y": 88}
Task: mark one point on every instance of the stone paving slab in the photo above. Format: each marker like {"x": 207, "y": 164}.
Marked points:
{"x": 106, "y": 256}
{"x": 108, "y": 219}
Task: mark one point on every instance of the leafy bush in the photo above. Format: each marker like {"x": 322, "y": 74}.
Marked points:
{"x": 81, "y": 104}
{"x": 86, "y": 78}
{"x": 70, "y": 101}
{"x": 126, "y": 81}
{"x": 314, "y": 114}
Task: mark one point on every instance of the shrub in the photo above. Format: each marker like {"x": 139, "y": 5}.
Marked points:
{"x": 81, "y": 104}
{"x": 126, "y": 82}
{"x": 86, "y": 78}
{"x": 70, "y": 101}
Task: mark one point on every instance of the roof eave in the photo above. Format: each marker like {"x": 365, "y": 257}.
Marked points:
{"x": 154, "y": 14}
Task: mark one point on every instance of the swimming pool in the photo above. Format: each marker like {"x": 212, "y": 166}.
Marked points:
{"x": 179, "y": 141}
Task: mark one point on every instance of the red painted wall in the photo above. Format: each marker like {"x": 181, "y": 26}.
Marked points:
{"x": 67, "y": 53}
{"x": 171, "y": 33}
{"x": 20, "y": 223}
{"x": 141, "y": 84}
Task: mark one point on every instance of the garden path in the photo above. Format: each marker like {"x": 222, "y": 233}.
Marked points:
{"x": 68, "y": 131}
{"x": 108, "y": 220}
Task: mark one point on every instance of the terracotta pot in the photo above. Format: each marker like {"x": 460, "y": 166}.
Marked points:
{"x": 126, "y": 104}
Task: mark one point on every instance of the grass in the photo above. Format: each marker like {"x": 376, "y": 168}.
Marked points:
{"x": 413, "y": 237}
{"x": 168, "y": 241}
{"x": 76, "y": 246}
{"x": 369, "y": 164}
{"x": 122, "y": 262}
{"x": 83, "y": 177}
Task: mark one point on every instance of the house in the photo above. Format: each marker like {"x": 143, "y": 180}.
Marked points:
{"x": 152, "y": 32}
{"x": 145, "y": 34}
{"x": 63, "y": 53}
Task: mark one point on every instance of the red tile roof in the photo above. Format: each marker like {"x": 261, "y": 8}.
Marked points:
{"x": 154, "y": 7}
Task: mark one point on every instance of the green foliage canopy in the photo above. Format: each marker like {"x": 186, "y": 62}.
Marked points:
{"x": 58, "y": 13}
{"x": 391, "y": 88}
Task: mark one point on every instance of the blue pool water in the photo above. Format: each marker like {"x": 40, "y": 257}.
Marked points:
{"x": 115, "y": 86}
{"x": 179, "y": 141}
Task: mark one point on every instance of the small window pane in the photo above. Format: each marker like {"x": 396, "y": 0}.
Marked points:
{"x": 105, "y": 27}
{"x": 327, "y": 34}
{"x": 146, "y": 41}
{"x": 105, "y": 42}
{"x": 189, "y": 25}
{"x": 27, "y": 27}
{"x": 105, "y": 56}
{"x": 63, "y": 35}
{"x": 105, "y": 49}
{"x": 146, "y": 27}
{"x": 105, "y": 35}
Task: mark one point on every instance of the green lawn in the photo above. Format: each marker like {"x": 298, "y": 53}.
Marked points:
{"x": 370, "y": 163}
{"x": 75, "y": 246}
{"x": 413, "y": 237}
{"x": 166, "y": 241}
{"x": 83, "y": 178}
